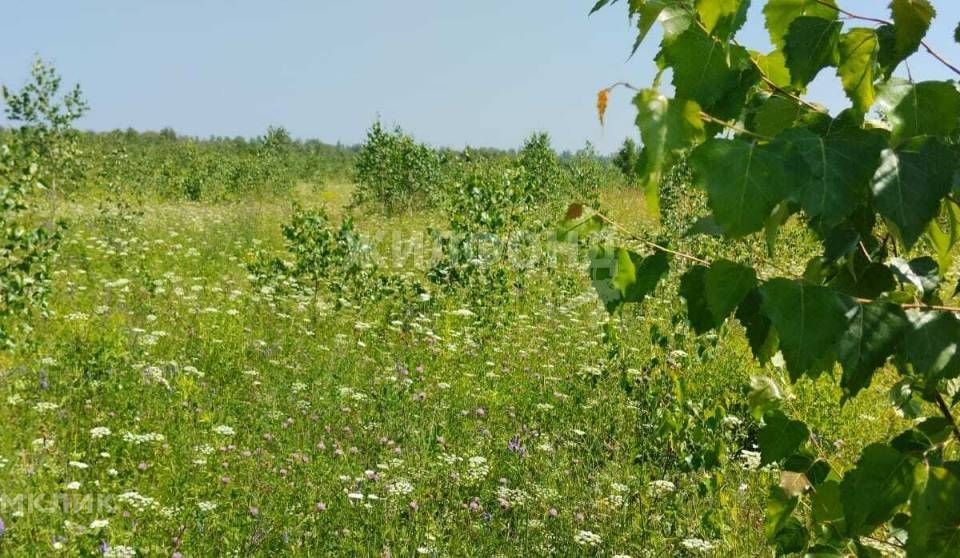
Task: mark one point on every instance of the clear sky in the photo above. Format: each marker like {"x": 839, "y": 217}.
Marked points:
{"x": 452, "y": 72}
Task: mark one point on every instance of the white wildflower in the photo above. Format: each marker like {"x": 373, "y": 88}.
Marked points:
{"x": 587, "y": 538}
{"x": 224, "y": 430}
{"x": 207, "y": 506}
{"x": 99, "y": 432}
{"x": 662, "y": 486}
{"x": 697, "y": 545}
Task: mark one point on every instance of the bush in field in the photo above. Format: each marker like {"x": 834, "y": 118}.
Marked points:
{"x": 396, "y": 173}
{"x": 496, "y": 208}
{"x": 489, "y": 222}
{"x": 323, "y": 257}
{"x": 587, "y": 173}
{"x": 40, "y": 152}
{"x": 45, "y": 117}
{"x": 627, "y": 158}
{"x": 25, "y": 249}
{"x": 543, "y": 175}
{"x": 550, "y": 181}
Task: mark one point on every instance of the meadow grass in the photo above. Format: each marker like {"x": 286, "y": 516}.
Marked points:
{"x": 167, "y": 407}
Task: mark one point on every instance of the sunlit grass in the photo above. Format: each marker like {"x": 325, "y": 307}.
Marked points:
{"x": 213, "y": 418}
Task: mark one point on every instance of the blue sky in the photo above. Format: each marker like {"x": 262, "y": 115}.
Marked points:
{"x": 452, "y": 72}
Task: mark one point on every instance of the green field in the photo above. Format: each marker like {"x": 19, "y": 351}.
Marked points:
{"x": 739, "y": 336}
{"x": 206, "y": 415}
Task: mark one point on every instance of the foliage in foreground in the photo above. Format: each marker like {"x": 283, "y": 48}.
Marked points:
{"x": 881, "y": 196}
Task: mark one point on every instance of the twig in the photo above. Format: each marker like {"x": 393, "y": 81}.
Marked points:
{"x": 785, "y": 93}
{"x": 945, "y": 409}
{"x": 624, "y": 84}
{"x": 880, "y": 21}
{"x": 634, "y": 236}
{"x": 941, "y": 59}
{"x": 914, "y": 305}
{"x": 689, "y": 257}
{"x": 766, "y": 79}
{"x": 853, "y": 15}
{"x": 733, "y": 127}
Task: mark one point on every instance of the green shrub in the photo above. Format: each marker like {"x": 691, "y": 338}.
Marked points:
{"x": 396, "y": 173}
{"x": 323, "y": 258}
{"x": 40, "y": 152}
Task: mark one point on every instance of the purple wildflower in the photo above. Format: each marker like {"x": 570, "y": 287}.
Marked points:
{"x": 515, "y": 446}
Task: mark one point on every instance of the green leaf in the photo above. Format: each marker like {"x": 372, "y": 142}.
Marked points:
{"x": 667, "y": 127}
{"x": 841, "y": 165}
{"x": 858, "y": 50}
{"x": 792, "y": 538}
{"x": 647, "y": 12}
{"x": 873, "y": 334}
{"x": 927, "y": 436}
{"x": 935, "y": 516}
{"x": 579, "y": 223}
{"x": 811, "y": 45}
{"x": 675, "y": 19}
{"x": 813, "y": 470}
{"x": 701, "y": 66}
{"x": 779, "y": 14}
{"x": 956, "y": 33}
{"x": 744, "y": 182}
{"x": 765, "y": 395}
{"x": 730, "y": 106}
{"x": 598, "y": 6}
{"x": 722, "y": 18}
{"x": 905, "y": 399}
{"x": 727, "y": 284}
{"x": 780, "y": 437}
{"x": 809, "y": 319}
{"x": 942, "y": 241}
{"x": 692, "y": 289}
{"x": 647, "y": 273}
{"x": 762, "y": 337}
{"x": 921, "y": 273}
{"x": 713, "y": 293}
{"x": 874, "y": 280}
{"x": 839, "y": 241}
{"x": 621, "y": 276}
{"x": 777, "y": 218}
{"x": 777, "y": 113}
{"x": 909, "y": 184}
{"x": 872, "y": 491}
{"x": 932, "y": 345}
{"x": 780, "y": 506}
{"x": 899, "y": 40}
{"x": 926, "y": 108}
{"x": 826, "y": 504}
{"x": 774, "y": 66}
{"x": 911, "y": 19}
